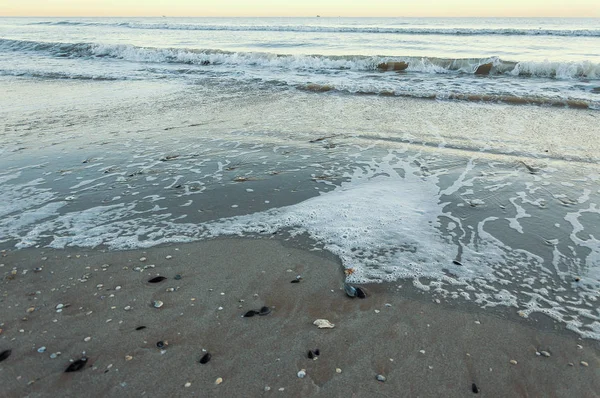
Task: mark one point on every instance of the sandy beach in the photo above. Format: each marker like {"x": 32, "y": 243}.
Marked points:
{"x": 420, "y": 346}
{"x": 162, "y": 177}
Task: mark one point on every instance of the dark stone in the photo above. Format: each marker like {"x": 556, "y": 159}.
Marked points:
{"x": 177, "y": 277}
{"x": 157, "y": 279}
{"x": 250, "y": 313}
{"x": 474, "y": 388}
{"x": 393, "y": 66}
{"x": 204, "y": 360}
{"x": 140, "y": 327}
{"x": 312, "y": 354}
{"x": 484, "y": 69}
{"x": 77, "y": 365}
{"x": 360, "y": 293}
{"x": 5, "y": 354}
{"x": 264, "y": 311}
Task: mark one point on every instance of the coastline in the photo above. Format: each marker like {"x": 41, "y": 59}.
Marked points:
{"x": 461, "y": 346}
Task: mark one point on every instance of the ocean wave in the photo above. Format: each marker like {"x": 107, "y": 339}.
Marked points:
{"x": 60, "y": 75}
{"x": 510, "y": 99}
{"x": 319, "y": 63}
{"x": 337, "y": 29}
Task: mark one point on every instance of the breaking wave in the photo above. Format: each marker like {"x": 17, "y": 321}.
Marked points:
{"x": 208, "y": 58}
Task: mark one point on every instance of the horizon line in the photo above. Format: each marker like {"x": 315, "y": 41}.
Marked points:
{"x": 284, "y": 16}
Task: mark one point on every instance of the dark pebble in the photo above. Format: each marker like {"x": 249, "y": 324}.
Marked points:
{"x": 140, "y": 327}
{"x": 360, "y": 293}
{"x": 295, "y": 281}
{"x": 5, "y": 354}
{"x": 205, "y": 358}
{"x": 177, "y": 277}
{"x": 160, "y": 344}
{"x": 77, "y": 365}
{"x": 474, "y": 388}
{"x": 312, "y": 354}
{"x": 157, "y": 279}
{"x": 250, "y": 313}
{"x": 264, "y": 311}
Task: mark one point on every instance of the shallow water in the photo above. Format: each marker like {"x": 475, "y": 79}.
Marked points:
{"x": 491, "y": 203}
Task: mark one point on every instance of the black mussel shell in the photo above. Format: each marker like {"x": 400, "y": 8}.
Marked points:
{"x": 250, "y": 313}
{"x": 160, "y": 344}
{"x": 317, "y": 352}
{"x": 140, "y": 327}
{"x": 295, "y": 281}
{"x": 5, "y": 354}
{"x": 157, "y": 279}
{"x": 360, "y": 293}
{"x": 474, "y": 388}
{"x": 264, "y": 311}
{"x": 77, "y": 365}
{"x": 205, "y": 358}
{"x": 456, "y": 262}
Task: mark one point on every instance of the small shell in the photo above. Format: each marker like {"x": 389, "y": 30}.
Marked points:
{"x": 512, "y": 361}
{"x": 381, "y": 378}
{"x": 219, "y": 381}
{"x": 323, "y": 324}
{"x": 584, "y": 363}
{"x": 157, "y": 304}
{"x": 302, "y": 374}
{"x": 474, "y": 388}
{"x": 350, "y": 290}
{"x": 140, "y": 327}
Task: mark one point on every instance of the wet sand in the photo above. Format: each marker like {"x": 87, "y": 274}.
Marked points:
{"x": 423, "y": 348}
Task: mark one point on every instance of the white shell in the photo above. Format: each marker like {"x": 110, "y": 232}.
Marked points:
{"x": 302, "y": 374}
{"x": 323, "y": 324}
{"x": 158, "y": 304}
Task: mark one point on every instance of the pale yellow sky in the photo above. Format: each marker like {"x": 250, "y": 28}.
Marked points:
{"x": 396, "y": 8}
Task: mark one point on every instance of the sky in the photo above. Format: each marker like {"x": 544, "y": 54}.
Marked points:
{"x": 334, "y": 8}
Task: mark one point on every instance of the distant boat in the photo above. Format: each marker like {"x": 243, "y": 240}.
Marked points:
{"x": 318, "y": 16}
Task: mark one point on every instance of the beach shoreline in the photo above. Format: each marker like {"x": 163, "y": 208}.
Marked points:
{"x": 421, "y": 347}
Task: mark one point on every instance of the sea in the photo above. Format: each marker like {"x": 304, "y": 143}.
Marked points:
{"x": 455, "y": 155}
